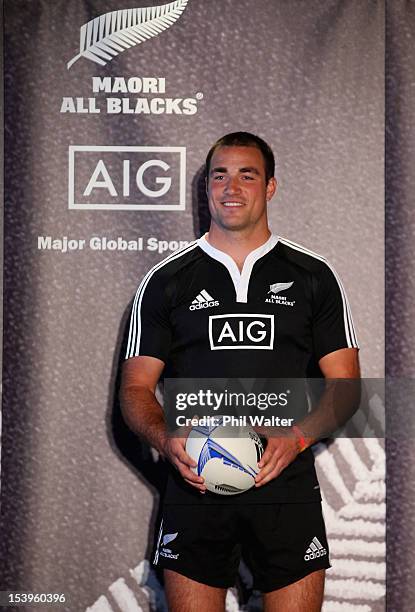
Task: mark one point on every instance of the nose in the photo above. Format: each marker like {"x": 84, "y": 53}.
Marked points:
{"x": 232, "y": 185}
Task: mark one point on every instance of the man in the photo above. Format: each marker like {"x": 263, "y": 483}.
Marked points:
{"x": 234, "y": 269}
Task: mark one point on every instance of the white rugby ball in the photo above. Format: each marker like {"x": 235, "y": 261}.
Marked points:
{"x": 227, "y": 457}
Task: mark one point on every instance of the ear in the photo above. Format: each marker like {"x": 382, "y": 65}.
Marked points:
{"x": 206, "y": 186}
{"x": 271, "y": 188}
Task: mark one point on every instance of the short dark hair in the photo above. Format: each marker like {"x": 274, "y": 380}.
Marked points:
{"x": 245, "y": 139}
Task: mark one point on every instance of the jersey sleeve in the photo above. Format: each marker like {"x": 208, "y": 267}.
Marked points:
{"x": 149, "y": 329}
{"x": 332, "y": 325}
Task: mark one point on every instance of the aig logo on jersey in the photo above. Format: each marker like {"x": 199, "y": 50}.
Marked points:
{"x": 241, "y": 331}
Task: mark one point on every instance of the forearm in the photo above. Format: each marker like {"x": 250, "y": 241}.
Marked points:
{"x": 337, "y": 404}
{"x": 144, "y": 415}
{"x": 339, "y": 400}
{"x": 334, "y": 408}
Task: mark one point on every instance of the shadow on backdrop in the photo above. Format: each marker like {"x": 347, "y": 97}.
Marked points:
{"x": 150, "y": 470}
{"x": 131, "y": 449}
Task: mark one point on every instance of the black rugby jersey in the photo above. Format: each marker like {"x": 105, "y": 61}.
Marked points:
{"x": 204, "y": 318}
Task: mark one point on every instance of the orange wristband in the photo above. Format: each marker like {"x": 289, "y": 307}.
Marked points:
{"x": 300, "y": 438}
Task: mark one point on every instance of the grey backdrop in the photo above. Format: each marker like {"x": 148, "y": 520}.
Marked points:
{"x": 78, "y": 493}
{"x": 400, "y": 354}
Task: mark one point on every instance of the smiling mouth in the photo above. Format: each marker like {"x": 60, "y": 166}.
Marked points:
{"x": 232, "y": 204}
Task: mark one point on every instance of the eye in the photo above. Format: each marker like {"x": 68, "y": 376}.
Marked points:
{"x": 218, "y": 177}
{"x": 246, "y": 177}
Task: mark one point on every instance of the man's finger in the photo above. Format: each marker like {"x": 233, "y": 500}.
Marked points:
{"x": 200, "y": 487}
{"x": 184, "y": 457}
{"x": 270, "y": 475}
{"x": 189, "y": 475}
{"x": 265, "y": 458}
{"x": 269, "y": 467}
{"x": 280, "y": 465}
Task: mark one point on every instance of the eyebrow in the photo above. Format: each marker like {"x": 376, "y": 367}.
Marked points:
{"x": 223, "y": 170}
{"x": 250, "y": 169}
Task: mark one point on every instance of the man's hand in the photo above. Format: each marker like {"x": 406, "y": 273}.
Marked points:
{"x": 144, "y": 415}
{"x": 279, "y": 453}
{"x": 174, "y": 451}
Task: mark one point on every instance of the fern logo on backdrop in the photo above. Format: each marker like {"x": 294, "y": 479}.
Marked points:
{"x": 108, "y": 35}
{"x": 105, "y": 37}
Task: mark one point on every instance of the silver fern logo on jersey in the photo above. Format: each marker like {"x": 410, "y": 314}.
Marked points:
{"x": 275, "y": 290}
{"x": 277, "y": 287}
{"x": 106, "y": 36}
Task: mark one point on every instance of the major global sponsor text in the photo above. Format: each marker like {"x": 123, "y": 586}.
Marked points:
{"x": 67, "y": 244}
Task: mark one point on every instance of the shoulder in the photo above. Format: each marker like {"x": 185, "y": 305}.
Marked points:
{"x": 323, "y": 276}
{"x": 170, "y": 266}
{"x": 303, "y": 257}
{"x": 327, "y": 287}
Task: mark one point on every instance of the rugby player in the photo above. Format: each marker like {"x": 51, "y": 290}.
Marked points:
{"x": 277, "y": 526}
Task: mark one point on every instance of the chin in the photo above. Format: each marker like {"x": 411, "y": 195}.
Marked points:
{"x": 232, "y": 224}
{"x": 234, "y": 227}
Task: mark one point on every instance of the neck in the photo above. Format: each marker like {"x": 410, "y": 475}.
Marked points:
{"x": 238, "y": 244}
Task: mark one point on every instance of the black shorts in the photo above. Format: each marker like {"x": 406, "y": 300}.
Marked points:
{"x": 280, "y": 543}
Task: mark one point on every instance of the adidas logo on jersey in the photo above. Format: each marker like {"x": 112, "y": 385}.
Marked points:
{"x": 203, "y": 300}
{"x": 315, "y": 550}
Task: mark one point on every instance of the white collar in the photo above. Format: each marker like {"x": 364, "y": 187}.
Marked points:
{"x": 240, "y": 279}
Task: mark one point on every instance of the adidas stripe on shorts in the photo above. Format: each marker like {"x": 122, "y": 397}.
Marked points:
{"x": 280, "y": 543}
